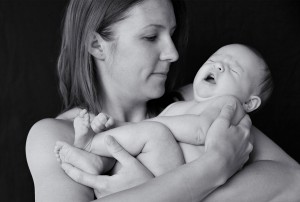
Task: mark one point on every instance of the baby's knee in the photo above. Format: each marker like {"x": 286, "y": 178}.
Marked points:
{"x": 160, "y": 132}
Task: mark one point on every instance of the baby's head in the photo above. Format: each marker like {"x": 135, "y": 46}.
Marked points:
{"x": 236, "y": 70}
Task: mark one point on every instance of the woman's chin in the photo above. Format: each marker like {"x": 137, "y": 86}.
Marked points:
{"x": 156, "y": 93}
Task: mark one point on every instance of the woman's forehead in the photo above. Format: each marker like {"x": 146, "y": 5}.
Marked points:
{"x": 152, "y": 13}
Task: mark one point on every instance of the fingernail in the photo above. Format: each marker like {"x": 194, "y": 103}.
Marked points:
{"x": 109, "y": 140}
{"x": 232, "y": 104}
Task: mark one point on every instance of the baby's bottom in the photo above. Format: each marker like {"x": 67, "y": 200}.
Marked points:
{"x": 151, "y": 142}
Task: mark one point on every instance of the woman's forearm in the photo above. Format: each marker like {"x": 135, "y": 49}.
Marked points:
{"x": 179, "y": 185}
{"x": 261, "y": 181}
{"x": 272, "y": 175}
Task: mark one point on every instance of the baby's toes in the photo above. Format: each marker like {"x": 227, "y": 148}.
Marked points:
{"x": 66, "y": 152}
{"x": 57, "y": 150}
{"x": 86, "y": 120}
{"x": 97, "y": 126}
{"x": 110, "y": 122}
{"x": 82, "y": 113}
{"x": 102, "y": 117}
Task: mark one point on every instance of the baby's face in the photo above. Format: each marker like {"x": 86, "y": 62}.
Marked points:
{"x": 232, "y": 70}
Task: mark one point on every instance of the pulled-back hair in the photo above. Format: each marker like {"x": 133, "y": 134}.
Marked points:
{"x": 78, "y": 83}
{"x": 266, "y": 85}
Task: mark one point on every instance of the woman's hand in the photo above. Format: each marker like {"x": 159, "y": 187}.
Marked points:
{"x": 131, "y": 173}
{"x": 232, "y": 142}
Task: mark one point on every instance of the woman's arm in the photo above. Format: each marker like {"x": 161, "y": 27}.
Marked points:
{"x": 271, "y": 175}
{"x": 50, "y": 181}
{"x": 182, "y": 184}
{"x": 227, "y": 148}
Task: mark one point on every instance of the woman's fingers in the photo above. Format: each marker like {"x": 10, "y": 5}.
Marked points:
{"x": 117, "y": 151}
{"x": 226, "y": 114}
{"x": 246, "y": 121}
{"x": 79, "y": 176}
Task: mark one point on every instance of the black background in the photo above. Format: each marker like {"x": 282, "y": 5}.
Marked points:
{"x": 29, "y": 44}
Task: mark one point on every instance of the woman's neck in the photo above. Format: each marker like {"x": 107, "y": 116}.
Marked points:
{"x": 125, "y": 110}
{"x": 119, "y": 103}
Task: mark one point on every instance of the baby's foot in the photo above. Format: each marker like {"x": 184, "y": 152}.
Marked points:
{"x": 83, "y": 134}
{"x": 81, "y": 159}
{"x": 102, "y": 122}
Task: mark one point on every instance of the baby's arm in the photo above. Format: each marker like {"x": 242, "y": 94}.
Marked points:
{"x": 190, "y": 125}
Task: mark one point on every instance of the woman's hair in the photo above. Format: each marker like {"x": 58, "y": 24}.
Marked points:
{"x": 78, "y": 82}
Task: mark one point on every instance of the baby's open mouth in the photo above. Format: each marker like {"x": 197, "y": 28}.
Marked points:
{"x": 210, "y": 78}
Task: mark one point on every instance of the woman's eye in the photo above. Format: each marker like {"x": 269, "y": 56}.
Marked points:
{"x": 151, "y": 38}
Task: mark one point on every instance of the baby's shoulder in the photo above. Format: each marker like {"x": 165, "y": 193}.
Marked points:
{"x": 177, "y": 108}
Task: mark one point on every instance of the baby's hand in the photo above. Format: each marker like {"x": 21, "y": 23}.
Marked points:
{"x": 102, "y": 122}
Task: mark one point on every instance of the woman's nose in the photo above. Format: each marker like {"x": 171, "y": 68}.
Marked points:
{"x": 219, "y": 67}
{"x": 169, "y": 52}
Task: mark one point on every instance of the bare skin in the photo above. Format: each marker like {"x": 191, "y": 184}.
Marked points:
{"x": 163, "y": 158}
{"x": 151, "y": 142}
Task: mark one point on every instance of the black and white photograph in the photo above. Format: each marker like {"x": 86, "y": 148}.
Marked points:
{"x": 150, "y": 100}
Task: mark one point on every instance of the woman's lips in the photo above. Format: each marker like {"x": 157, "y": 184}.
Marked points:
{"x": 160, "y": 74}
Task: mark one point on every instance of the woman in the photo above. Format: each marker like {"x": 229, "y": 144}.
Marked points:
{"x": 115, "y": 56}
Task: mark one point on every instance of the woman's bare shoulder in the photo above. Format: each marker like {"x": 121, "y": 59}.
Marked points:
{"x": 46, "y": 172}
{"x": 46, "y": 132}
{"x": 69, "y": 115}
{"x": 43, "y": 136}
{"x": 50, "y": 128}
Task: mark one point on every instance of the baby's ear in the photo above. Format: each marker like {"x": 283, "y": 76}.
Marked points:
{"x": 252, "y": 104}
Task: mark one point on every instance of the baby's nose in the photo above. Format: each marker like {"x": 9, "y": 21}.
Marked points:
{"x": 219, "y": 67}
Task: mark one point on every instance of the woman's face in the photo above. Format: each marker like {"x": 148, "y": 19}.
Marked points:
{"x": 140, "y": 55}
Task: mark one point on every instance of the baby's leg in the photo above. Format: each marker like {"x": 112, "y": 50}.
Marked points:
{"x": 152, "y": 143}
{"x": 83, "y": 136}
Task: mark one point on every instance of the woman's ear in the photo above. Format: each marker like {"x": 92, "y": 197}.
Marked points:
{"x": 96, "y": 46}
{"x": 252, "y": 104}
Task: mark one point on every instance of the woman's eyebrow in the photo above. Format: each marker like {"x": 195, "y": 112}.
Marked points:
{"x": 159, "y": 26}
